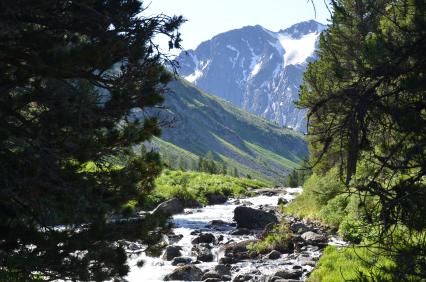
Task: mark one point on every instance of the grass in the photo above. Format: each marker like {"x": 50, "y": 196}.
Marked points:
{"x": 188, "y": 185}
{"x": 348, "y": 264}
{"x": 278, "y": 239}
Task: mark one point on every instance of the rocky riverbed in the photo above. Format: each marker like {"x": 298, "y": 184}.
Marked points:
{"x": 210, "y": 243}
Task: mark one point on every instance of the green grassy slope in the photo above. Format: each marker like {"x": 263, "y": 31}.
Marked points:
{"x": 202, "y": 123}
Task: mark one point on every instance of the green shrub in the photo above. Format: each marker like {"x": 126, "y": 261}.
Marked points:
{"x": 278, "y": 239}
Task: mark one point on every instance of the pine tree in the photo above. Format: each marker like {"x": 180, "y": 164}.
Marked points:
{"x": 366, "y": 101}
{"x": 71, "y": 72}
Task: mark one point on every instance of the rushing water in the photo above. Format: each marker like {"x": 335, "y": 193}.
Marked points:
{"x": 154, "y": 269}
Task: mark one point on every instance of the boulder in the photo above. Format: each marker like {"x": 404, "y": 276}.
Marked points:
{"x": 282, "y": 201}
{"x": 181, "y": 260}
{"x": 185, "y": 273}
{"x": 238, "y": 251}
{"x": 314, "y": 238}
{"x": 216, "y": 199}
{"x": 170, "y": 207}
{"x": 202, "y": 253}
{"x": 288, "y": 274}
{"x": 241, "y": 231}
{"x": 173, "y": 238}
{"x": 299, "y": 228}
{"x": 222, "y": 269}
{"x": 273, "y": 255}
{"x": 218, "y": 222}
{"x": 171, "y": 252}
{"x": 204, "y": 238}
{"x": 253, "y": 218}
{"x": 211, "y": 275}
{"x": 242, "y": 278}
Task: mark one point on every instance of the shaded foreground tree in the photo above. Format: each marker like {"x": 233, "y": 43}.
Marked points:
{"x": 71, "y": 72}
{"x": 366, "y": 97}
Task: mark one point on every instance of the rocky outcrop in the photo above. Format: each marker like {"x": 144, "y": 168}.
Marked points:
{"x": 216, "y": 199}
{"x": 238, "y": 251}
{"x": 170, "y": 207}
{"x": 185, "y": 273}
{"x": 253, "y": 218}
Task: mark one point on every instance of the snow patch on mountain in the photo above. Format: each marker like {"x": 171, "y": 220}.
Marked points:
{"x": 298, "y": 50}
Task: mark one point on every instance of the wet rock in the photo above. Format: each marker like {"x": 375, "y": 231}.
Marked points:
{"x": 227, "y": 260}
{"x": 185, "y": 273}
{"x": 212, "y": 280}
{"x": 191, "y": 203}
{"x": 172, "y": 238}
{"x": 282, "y": 201}
{"x": 253, "y": 218}
{"x": 218, "y": 222}
{"x": 181, "y": 260}
{"x": 238, "y": 251}
{"x": 211, "y": 275}
{"x": 222, "y": 269}
{"x": 314, "y": 238}
{"x": 299, "y": 228}
{"x": 288, "y": 274}
{"x": 216, "y": 199}
{"x": 246, "y": 203}
{"x": 170, "y": 207}
{"x": 226, "y": 278}
{"x": 240, "y": 231}
{"x": 220, "y": 238}
{"x": 204, "y": 238}
{"x": 273, "y": 255}
{"x": 203, "y": 254}
{"x": 171, "y": 252}
{"x": 242, "y": 278}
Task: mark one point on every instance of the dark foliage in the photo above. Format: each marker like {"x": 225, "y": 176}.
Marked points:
{"x": 71, "y": 73}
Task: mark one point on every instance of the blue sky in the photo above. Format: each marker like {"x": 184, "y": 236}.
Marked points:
{"x": 206, "y": 18}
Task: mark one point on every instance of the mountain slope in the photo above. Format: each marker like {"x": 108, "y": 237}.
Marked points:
{"x": 255, "y": 69}
{"x": 205, "y": 123}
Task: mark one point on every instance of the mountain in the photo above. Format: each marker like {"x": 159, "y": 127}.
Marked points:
{"x": 256, "y": 69}
{"x": 202, "y": 123}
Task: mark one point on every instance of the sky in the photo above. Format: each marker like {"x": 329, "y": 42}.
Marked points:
{"x": 207, "y": 18}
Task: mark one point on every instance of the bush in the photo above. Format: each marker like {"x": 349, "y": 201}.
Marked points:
{"x": 278, "y": 239}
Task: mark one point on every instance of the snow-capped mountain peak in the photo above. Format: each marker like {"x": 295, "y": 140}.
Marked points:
{"x": 255, "y": 68}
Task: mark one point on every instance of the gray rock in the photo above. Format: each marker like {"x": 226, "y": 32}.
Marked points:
{"x": 252, "y": 218}
{"x": 218, "y": 222}
{"x": 288, "y": 274}
{"x": 212, "y": 280}
{"x": 211, "y": 275}
{"x": 172, "y": 238}
{"x": 314, "y": 238}
{"x": 282, "y": 201}
{"x": 238, "y": 251}
{"x": 222, "y": 269}
{"x": 299, "y": 228}
{"x": 240, "y": 231}
{"x": 170, "y": 207}
{"x": 204, "y": 238}
{"x": 226, "y": 278}
{"x": 273, "y": 255}
{"x": 181, "y": 260}
{"x": 242, "y": 278}
{"x": 185, "y": 273}
{"x": 203, "y": 254}
{"x": 216, "y": 199}
{"x": 171, "y": 252}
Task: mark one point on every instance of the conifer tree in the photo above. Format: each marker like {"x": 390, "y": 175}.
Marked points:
{"x": 71, "y": 73}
